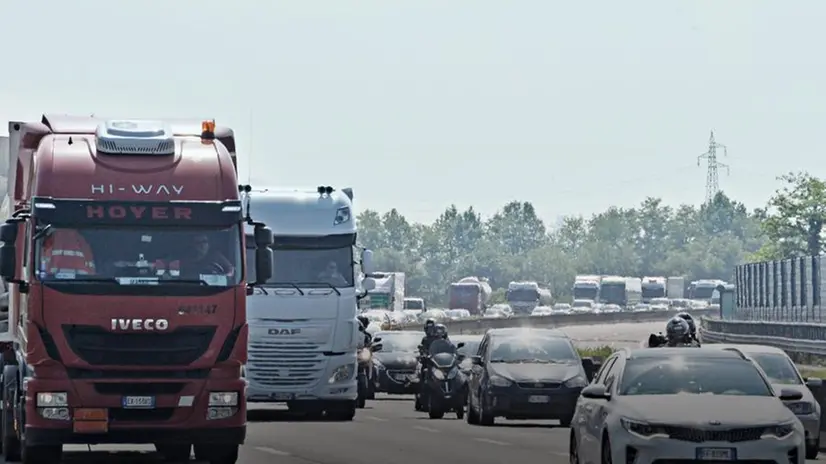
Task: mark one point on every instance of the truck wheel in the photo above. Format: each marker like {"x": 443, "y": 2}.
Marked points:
{"x": 48, "y": 454}
{"x": 345, "y": 412}
{"x": 11, "y": 442}
{"x": 173, "y": 452}
{"x": 217, "y": 454}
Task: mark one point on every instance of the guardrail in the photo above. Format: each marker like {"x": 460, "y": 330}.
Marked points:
{"x": 480, "y": 325}
{"x": 792, "y": 337}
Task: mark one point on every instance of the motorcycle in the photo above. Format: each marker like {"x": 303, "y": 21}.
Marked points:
{"x": 659, "y": 340}
{"x": 366, "y": 380}
{"x": 445, "y": 386}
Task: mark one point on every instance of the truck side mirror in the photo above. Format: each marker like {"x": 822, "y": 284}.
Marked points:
{"x": 263, "y": 236}
{"x": 263, "y": 265}
{"x": 368, "y": 284}
{"x": 8, "y": 232}
{"x": 367, "y": 266}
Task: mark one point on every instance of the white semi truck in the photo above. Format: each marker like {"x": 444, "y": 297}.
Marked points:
{"x": 653, "y": 287}
{"x": 388, "y": 293}
{"x": 621, "y": 291}
{"x": 586, "y": 287}
{"x": 523, "y": 297}
{"x": 303, "y": 332}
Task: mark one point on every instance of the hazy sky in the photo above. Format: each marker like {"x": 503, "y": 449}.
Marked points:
{"x": 417, "y": 104}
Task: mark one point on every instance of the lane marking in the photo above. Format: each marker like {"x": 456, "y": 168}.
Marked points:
{"x": 377, "y": 419}
{"x": 492, "y": 442}
{"x": 272, "y": 451}
{"x": 425, "y": 429}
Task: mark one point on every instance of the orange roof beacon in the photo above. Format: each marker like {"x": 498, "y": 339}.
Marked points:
{"x": 124, "y": 255}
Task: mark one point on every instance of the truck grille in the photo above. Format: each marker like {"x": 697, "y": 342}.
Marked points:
{"x": 281, "y": 364}
{"x": 99, "y": 347}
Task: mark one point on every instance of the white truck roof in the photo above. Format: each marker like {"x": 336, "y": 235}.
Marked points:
{"x": 302, "y": 212}
{"x": 523, "y": 286}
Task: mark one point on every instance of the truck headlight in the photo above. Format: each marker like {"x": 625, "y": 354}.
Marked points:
{"x": 52, "y": 399}
{"x": 342, "y": 373}
{"x": 223, "y": 398}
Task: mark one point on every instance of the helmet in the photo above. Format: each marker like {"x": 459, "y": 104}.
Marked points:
{"x": 440, "y": 331}
{"x": 692, "y": 327}
{"x": 676, "y": 328}
{"x": 428, "y": 326}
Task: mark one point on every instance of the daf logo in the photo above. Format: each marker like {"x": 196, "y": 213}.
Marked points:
{"x": 140, "y": 324}
{"x": 284, "y": 331}
{"x": 714, "y": 422}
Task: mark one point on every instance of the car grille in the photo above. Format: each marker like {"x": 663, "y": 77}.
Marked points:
{"x": 407, "y": 373}
{"x": 99, "y": 347}
{"x": 283, "y": 364}
{"x": 701, "y": 435}
{"x": 538, "y": 385}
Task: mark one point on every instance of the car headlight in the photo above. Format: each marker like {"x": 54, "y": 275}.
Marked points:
{"x": 498, "y": 381}
{"x": 52, "y": 399}
{"x": 779, "y": 431}
{"x": 342, "y": 215}
{"x": 342, "y": 373}
{"x": 576, "y": 382}
{"x": 378, "y": 364}
{"x": 223, "y": 398}
{"x": 801, "y": 408}
{"x": 643, "y": 429}
{"x": 437, "y": 374}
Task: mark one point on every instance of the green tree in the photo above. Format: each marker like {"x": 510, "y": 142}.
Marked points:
{"x": 794, "y": 223}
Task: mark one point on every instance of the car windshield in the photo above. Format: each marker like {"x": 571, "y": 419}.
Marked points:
{"x": 470, "y": 348}
{"x": 399, "y": 342}
{"x": 309, "y": 261}
{"x": 139, "y": 255}
{"x": 718, "y": 376}
{"x": 778, "y": 367}
{"x": 529, "y": 348}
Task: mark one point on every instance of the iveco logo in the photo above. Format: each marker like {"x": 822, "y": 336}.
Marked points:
{"x": 140, "y": 324}
{"x": 714, "y": 422}
{"x": 284, "y": 331}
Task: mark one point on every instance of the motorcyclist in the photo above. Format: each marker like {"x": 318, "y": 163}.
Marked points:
{"x": 692, "y": 326}
{"x": 677, "y": 332}
{"x": 364, "y": 322}
{"x": 433, "y": 332}
{"x": 429, "y": 335}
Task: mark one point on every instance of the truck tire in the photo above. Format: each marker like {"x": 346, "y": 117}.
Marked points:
{"x": 47, "y": 454}
{"x": 174, "y": 452}
{"x": 217, "y": 454}
{"x": 11, "y": 442}
{"x": 345, "y": 412}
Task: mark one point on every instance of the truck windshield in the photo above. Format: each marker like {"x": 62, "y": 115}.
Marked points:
{"x": 653, "y": 291}
{"x": 523, "y": 295}
{"x": 612, "y": 293}
{"x": 586, "y": 292}
{"x": 702, "y": 292}
{"x": 309, "y": 261}
{"x": 139, "y": 255}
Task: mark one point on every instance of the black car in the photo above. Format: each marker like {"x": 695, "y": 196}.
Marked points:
{"x": 526, "y": 373}
{"x": 396, "y": 362}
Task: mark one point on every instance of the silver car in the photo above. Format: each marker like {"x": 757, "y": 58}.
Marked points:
{"x": 783, "y": 374}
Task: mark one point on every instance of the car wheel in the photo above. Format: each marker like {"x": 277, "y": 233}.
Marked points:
{"x": 573, "y": 450}
{"x": 484, "y": 417}
{"x": 605, "y": 452}
{"x": 472, "y": 415}
{"x": 813, "y": 450}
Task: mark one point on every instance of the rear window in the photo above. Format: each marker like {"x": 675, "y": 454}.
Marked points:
{"x": 693, "y": 376}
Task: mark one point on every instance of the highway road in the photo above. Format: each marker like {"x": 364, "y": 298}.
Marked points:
{"x": 391, "y": 432}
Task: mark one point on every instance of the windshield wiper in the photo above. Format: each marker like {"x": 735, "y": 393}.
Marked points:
{"x": 290, "y": 284}
{"x": 87, "y": 279}
{"x": 319, "y": 283}
{"x": 183, "y": 281}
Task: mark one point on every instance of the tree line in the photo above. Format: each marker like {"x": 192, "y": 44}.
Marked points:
{"x": 704, "y": 241}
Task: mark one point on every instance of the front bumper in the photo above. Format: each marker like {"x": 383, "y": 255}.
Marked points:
{"x": 811, "y": 424}
{"x": 627, "y": 447}
{"x": 182, "y": 417}
{"x": 524, "y": 403}
{"x": 265, "y": 386}
{"x": 397, "y": 381}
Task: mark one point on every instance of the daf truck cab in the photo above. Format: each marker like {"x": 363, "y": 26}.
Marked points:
{"x": 304, "y": 333}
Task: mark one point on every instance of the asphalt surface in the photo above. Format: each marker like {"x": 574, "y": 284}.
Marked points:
{"x": 389, "y": 431}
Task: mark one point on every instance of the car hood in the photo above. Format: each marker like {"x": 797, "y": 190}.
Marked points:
{"x": 535, "y": 372}
{"x": 396, "y": 359}
{"x": 702, "y": 410}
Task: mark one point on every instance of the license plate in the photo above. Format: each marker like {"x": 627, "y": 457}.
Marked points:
{"x": 139, "y": 402}
{"x": 538, "y": 399}
{"x": 400, "y": 377}
{"x": 716, "y": 454}
{"x": 282, "y": 396}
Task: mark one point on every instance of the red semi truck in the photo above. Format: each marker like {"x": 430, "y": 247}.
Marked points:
{"x": 125, "y": 259}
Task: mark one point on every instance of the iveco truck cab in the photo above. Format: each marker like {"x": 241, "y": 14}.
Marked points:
{"x": 304, "y": 334}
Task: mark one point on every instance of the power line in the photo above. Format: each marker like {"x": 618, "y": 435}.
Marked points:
{"x": 712, "y": 178}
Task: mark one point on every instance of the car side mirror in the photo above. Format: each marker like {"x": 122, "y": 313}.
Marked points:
{"x": 476, "y": 360}
{"x": 367, "y": 265}
{"x": 368, "y": 284}
{"x": 596, "y": 392}
{"x": 376, "y": 347}
{"x": 263, "y": 265}
{"x": 790, "y": 395}
{"x": 460, "y": 344}
{"x": 814, "y": 382}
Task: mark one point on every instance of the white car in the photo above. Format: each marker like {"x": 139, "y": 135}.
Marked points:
{"x": 543, "y": 311}
{"x": 660, "y": 304}
{"x": 684, "y": 405}
{"x": 582, "y": 306}
{"x": 611, "y": 308}
{"x": 456, "y": 314}
{"x": 562, "y": 307}
{"x": 782, "y": 373}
